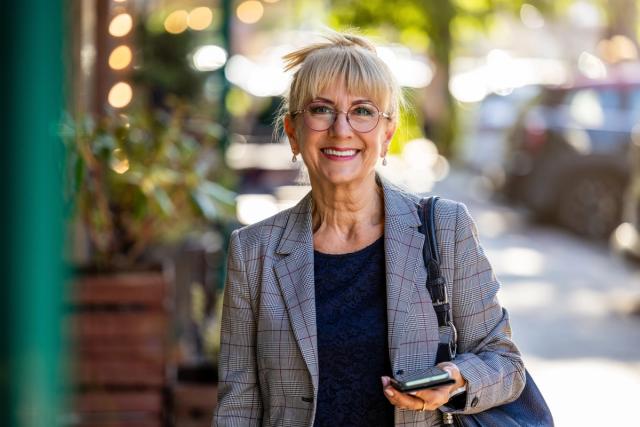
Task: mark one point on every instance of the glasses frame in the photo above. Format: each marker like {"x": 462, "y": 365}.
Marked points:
{"x": 335, "y": 117}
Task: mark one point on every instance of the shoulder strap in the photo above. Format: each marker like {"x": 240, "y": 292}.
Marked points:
{"x": 436, "y": 283}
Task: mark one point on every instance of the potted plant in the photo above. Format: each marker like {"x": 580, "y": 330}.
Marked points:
{"x": 141, "y": 178}
{"x": 135, "y": 182}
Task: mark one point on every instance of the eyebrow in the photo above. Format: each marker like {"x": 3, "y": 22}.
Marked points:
{"x": 357, "y": 101}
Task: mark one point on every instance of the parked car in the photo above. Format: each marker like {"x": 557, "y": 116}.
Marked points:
{"x": 567, "y": 157}
{"x": 626, "y": 238}
{"x": 483, "y": 145}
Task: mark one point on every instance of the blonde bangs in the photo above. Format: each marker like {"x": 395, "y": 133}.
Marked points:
{"x": 360, "y": 71}
{"x": 346, "y": 59}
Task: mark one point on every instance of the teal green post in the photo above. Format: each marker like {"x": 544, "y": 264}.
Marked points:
{"x": 31, "y": 33}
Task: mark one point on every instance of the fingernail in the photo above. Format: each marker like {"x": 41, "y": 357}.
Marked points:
{"x": 388, "y": 392}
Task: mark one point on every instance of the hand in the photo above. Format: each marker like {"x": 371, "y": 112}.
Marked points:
{"x": 428, "y": 399}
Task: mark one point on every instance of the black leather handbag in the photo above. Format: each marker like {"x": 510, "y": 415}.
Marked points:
{"x": 528, "y": 410}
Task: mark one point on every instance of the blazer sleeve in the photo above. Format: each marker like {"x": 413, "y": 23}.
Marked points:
{"x": 487, "y": 358}
{"x": 239, "y": 399}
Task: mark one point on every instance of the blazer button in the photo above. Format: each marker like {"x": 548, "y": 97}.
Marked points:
{"x": 474, "y": 402}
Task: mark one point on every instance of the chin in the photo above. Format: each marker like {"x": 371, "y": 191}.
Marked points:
{"x": 344, "y": 177}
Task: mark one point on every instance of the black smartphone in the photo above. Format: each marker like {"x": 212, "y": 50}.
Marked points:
{"x": 420, "y": 380}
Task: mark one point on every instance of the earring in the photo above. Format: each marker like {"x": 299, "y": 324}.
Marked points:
{"x": 384, "y": 161}
{"x": 294, "y": 158}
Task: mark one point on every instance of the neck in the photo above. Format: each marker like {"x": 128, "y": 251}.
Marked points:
{"x": 348, "y": 209}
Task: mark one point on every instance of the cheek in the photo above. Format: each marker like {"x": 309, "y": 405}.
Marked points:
{"x": 381, "y": 143}
{"x": 307, "y": 140}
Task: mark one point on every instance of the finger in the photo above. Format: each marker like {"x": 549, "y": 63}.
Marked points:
{"x": 431, "y": 393}
{"x": 402, "y": 400}
{"x": 434, "y": 397}
{"x": 452, "y": 369}
{"x": 385, "y": 381}
{"x": 447, "y": 368}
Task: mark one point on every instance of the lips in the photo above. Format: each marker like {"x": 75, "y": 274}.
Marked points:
{"x": 339, "y": 153}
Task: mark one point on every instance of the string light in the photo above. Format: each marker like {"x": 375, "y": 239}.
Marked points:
{"x": 120, "y": 95}
{"x": 176, "y": 22}
{"x": 200, "y": 18}
{"x": 121, "y": 25}
{"x": 120, "y": 58}
{"x": 250, "y": 11}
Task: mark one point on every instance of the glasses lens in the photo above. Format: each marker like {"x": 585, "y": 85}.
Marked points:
{"x": 363, "y": 117}
{"x": 319, "y": 117}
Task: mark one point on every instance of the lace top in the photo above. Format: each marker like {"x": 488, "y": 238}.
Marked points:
{"x": 351, "y": 316}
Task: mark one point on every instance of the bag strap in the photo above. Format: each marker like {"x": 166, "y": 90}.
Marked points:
{"x": 436, "y": 283}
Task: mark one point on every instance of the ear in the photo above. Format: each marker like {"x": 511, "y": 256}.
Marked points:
{"x": 388, "y": 135}
{"x": 290, "y": 130}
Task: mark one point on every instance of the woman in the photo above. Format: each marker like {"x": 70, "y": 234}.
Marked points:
{"x": 327, "y": 300}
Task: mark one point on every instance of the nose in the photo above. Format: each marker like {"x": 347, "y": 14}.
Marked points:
{"x": 340, "y": 126}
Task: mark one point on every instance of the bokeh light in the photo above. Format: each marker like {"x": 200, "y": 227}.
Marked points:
{"x": 200, "y": 18}
{"x": 531, "y": 16}
{"x": 120, "y": 95}
{"x": 626, "y": 235}
{"x": 238, "y": 102}
{"x": 176, "y": 22}
{"x": 121, "y": 25}
{"x": 618, "y": 48}
{"x": 209, "y": 58}
{"x": 119, "y": 162}
{"x": 120, "y": 57}
{"x": 591, "y": 66}
{"x": 409, "y": 71}
{"x": 259, "y": 79}
{"x": 250, "y": 11}
{"x": 251, "y": 208}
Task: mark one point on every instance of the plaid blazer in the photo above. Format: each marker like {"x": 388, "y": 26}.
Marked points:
{"x": 268, "y": 362}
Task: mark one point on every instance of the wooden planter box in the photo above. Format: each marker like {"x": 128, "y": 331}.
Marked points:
{"x": 193, "y": 404}
{"x": 118, "y": 334}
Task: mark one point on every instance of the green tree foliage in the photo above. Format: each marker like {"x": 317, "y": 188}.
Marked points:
{"x": 434, "y": 26}
{"x": 438, "y": 26}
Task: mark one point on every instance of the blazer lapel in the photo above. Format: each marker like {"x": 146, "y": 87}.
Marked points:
{"x": 403, "y": 257}
{"x": 296, "y": 281}
{"x": 403, "y": 260}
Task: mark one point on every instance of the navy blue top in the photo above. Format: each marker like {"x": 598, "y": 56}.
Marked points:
{"x": 351, "y": 314}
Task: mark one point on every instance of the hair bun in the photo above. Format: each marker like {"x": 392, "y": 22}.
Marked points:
{"x": 350, "y": 39}
{"x": 334, "y": 39}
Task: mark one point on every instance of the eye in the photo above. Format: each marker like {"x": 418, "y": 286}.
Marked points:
{"x": 320, "y": 109}
{"x": 363, "y": 111}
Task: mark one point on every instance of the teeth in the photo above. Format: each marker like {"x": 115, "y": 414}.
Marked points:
{"x": 345, "y": 153}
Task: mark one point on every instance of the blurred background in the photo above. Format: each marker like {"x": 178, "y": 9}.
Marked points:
{"x": 140, "y": 133}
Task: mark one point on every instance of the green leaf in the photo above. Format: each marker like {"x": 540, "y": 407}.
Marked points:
{"x": 206, "y": 204}
{"x": 163, "y": 200}
{"x": 216, "y": 130}
{"x": 218, "y": 192}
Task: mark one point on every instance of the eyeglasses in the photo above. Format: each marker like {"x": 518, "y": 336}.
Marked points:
{"x": 320, "y": 116}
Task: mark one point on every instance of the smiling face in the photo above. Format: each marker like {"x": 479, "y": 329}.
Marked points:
{"x": 339, "y": 154}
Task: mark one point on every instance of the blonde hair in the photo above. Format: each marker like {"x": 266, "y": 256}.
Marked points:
{"x": 346, "y": 58}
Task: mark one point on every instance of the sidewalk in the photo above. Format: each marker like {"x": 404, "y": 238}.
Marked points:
{"x": 569, "y": 304}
